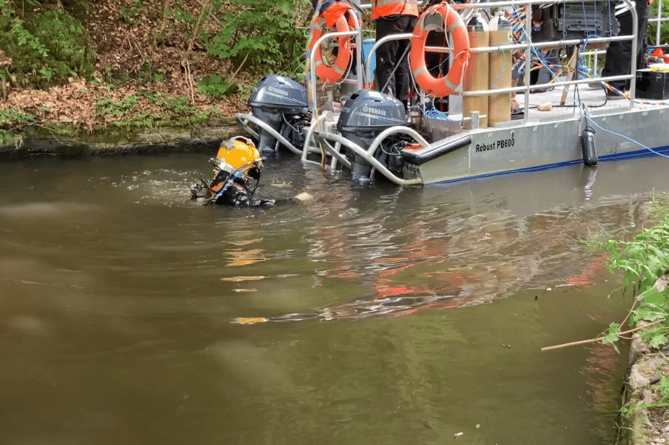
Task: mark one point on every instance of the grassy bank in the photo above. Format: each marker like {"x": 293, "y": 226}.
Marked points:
{"x": 644, "y": 263}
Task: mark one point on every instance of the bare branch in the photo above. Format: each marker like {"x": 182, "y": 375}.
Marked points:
{"x": 594, "y": 340}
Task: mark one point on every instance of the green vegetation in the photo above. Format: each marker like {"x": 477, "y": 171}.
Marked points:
{"x": 135, "y": 113}
{"x": 144, "y": 110}
{"x": 14, "y": 117}
{"x": 221, "y": 49}
{"x": 47, "y": 45}
{"x": 259, "y": 32}
{"x": 215, "y": 86}
{"x": 129, "y": 15}
{"x": 11, "y": 121}
{"x": 663, "y": 388}
{"x": 117, "y": 108}
{"x": 644, "y": 262}
{"x": 652, "y": 26}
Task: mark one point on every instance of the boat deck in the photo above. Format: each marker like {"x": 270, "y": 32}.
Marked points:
{"x": 591, "y": 95}
{"x": 551, "y": 105}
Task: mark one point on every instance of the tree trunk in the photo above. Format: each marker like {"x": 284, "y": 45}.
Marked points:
{"x": 160, "y": 34}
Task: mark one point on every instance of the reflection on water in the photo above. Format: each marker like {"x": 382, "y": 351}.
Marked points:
{"x": 471, "y": 260}
{"x": 129, "y": 313}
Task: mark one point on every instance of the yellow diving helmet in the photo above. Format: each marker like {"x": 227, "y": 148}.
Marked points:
{"x": 239, "y": 157}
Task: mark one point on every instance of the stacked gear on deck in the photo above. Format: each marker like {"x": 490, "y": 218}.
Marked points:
{"x": 574, "y": 21}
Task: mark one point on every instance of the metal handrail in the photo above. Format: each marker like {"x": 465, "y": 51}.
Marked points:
{"x": 312, "y": 59}
{"x": 527, "y": 46}
{"x": 310, "y": 134}
{"x": 372, "y": 160}
{"x": 378, "y": 43}
{"x": 242, "y": 119}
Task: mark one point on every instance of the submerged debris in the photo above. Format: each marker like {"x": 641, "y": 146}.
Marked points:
{"x": 251, "y": 320}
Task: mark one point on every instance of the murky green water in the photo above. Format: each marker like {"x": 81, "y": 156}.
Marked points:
{"x": 383, "y": 315}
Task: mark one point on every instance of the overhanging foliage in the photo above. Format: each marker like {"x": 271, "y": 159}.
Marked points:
{"x": 46, "y": 44}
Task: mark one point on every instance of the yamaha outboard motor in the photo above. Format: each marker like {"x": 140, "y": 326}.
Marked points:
{"x": 364, "y": 116}
{"x": 281, "y": 103}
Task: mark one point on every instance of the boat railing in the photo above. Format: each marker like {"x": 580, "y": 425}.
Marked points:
{"x": 320, "y": 138}
{"x": 527, "y": 46}
{"x": 654, "y": 40}
{"x": 368, "y": 153}
{"x": 356, "y": 36}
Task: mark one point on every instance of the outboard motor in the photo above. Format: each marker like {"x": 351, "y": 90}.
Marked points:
{"x": 363, "y": 117}
{"x": 281, "y": 103}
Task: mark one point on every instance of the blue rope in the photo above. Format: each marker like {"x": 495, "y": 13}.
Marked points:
{"x": 433, "y": 113}
{"x": 231, "y": 179}
{"x": 623, "y": 136}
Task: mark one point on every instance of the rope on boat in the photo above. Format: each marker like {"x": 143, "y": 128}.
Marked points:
{"x": 627, "y": 138}
{"x": 433, "y": 113}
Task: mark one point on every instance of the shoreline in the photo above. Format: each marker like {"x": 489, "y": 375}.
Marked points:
{"x": 32, "y": 143}
{"x": 643, "y": 422}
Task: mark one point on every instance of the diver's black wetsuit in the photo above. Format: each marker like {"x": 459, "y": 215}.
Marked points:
{"x": 237, "y": 196}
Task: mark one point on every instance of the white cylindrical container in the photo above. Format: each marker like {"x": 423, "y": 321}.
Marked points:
{"x": 499, "y": 105}
{"x": 476, "y": 75}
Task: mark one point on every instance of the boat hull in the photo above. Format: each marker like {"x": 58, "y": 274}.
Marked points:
{"x": 539, "y": 145}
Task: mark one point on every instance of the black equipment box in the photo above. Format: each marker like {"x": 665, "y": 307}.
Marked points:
{"x": 574, "y": 21}
{"x": 652, "y": 84}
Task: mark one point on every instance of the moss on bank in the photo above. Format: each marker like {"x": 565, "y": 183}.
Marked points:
{"x": 644, "y": 412}
{"x": 90, "y": 112}
{"x": 39, "y": 142}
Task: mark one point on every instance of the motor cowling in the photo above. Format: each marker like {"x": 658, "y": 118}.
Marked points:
{"x": 281, "y": 103}
{"x": 363, "y": 117}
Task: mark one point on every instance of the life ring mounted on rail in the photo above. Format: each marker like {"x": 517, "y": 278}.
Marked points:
{"x": 338, "y": 16}
{"x": 439, "y": 17}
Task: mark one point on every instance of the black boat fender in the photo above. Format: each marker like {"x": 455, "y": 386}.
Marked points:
{"x": 419, "y": 157}
{"x": 588, "y": 146}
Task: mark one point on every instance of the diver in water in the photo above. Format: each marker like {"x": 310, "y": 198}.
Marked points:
{"x": 237, "y": 168}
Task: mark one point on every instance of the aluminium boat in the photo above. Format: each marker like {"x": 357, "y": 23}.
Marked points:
{"x": 463, "y": 122}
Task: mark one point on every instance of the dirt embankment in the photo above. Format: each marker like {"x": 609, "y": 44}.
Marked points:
{"x": 149, "y": 55}
{"x": 645, "y": 419}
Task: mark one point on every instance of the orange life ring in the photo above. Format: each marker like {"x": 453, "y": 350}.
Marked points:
{"x": 340, "y": 17}
{"x": 449, "y": 21}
